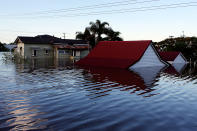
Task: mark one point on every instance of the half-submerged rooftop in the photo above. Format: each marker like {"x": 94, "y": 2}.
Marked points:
{"x": 123, "y": 54}
{"x": 173, "y": 57}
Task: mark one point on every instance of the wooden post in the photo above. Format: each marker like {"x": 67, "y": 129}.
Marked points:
{"x": 55, "y": 49}
{"x": 55, "y": 52}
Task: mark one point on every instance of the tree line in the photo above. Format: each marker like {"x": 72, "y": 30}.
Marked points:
{"x": 186, "y": 45}
{"x": 2, "y": 47}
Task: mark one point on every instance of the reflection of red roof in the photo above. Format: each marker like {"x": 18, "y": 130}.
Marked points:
{"x": 108, "y": 79}
{"x": 115, "y": 54}
{"x": 171, "y": 70}
{"x": 121, "y": 76}
{"x": 169, "y": 56}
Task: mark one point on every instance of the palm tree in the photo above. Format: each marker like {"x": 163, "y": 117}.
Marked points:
{"x": 83, "y": 36}
{"x": 112, "y": 35}
{"x": 93, "y": 34}
{"x": 98, "y": 28}
{"x": 87, "y": 36}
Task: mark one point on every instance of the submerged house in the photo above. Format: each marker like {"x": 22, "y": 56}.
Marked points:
{"x": 123, "y": 54}
{"x": 173, "y": 57}
{"x": 46, "y": 46}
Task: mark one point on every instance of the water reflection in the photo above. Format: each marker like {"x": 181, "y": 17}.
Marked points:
{"x": 179, "y": 67}
{"x": 24, "y": 115}
{"x": 47, "y": 63}
{"x": 46, "y": 94}
{"x": 18, "y": 113}
{"x": 176, "y": 69}
{"x": 139, "y": 82}
{"x": 149, "y": 74}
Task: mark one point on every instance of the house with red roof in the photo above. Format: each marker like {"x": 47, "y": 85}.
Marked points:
{"x": 123, "y": 54}
{"x": 173, "y": 57}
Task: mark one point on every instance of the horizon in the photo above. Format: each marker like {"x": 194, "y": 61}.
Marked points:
{"x": 136, "y": 19}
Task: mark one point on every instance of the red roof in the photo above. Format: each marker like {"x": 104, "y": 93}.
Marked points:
{"x": 169, "y": 56}
{"x": 115, "y": 54}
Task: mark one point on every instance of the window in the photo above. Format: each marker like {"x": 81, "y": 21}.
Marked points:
{"x": 61, "y": 51}
{"x": 74, "y": 53}
{"x": 46, "y": 52}
{"x": 78, "y": 53}
{"x": 34, "y": 52}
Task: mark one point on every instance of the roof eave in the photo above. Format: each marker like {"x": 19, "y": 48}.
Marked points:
{"x": 17, "y": 39}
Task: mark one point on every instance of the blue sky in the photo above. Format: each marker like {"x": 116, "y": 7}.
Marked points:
{"x": 23, "y": 18}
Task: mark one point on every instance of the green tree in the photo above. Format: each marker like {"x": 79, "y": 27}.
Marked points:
{"x": 87, "y": 36}
{"x": 186, "y": 45}
{"x": 98, "y": 31}
{"x": 2, "y": 47}
{"x": 98, "y": 28}
{"x": 182, "y": 47}
{"x": 112, "y": 35}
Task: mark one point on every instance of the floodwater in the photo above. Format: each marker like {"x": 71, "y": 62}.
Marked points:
{"x": 55, "y": 95}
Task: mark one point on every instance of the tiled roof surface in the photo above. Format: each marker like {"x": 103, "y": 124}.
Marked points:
{"x": 168, "y": 56}
{"x": 115, "y": 54}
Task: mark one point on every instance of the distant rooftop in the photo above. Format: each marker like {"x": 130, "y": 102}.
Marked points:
{"x": 47, "y": 39}
{"x": 169, "y": 55}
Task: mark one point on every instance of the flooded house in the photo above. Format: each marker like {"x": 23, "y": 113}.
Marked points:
{"x": 173, "y": 57}
{"x": 123, "y": 54}
{"x": 46, "y": 46}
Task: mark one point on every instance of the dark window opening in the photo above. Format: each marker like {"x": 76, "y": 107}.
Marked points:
{"x": 74, "y": 53}
{"x": 61, "y": 52}
{"x": 34, "y": 52}
{"x": 21, "y": 50}
{"x": 47, "y": 52}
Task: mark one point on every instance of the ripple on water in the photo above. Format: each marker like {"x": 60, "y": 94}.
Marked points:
{"x": 40, "y": 96}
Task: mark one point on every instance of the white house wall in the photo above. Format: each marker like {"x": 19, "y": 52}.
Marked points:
{"x": 18, "y": 51}
{"x": 179, "y": 59}
{"x": 149, "y": 59}
{"x": 41, "y": 52}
